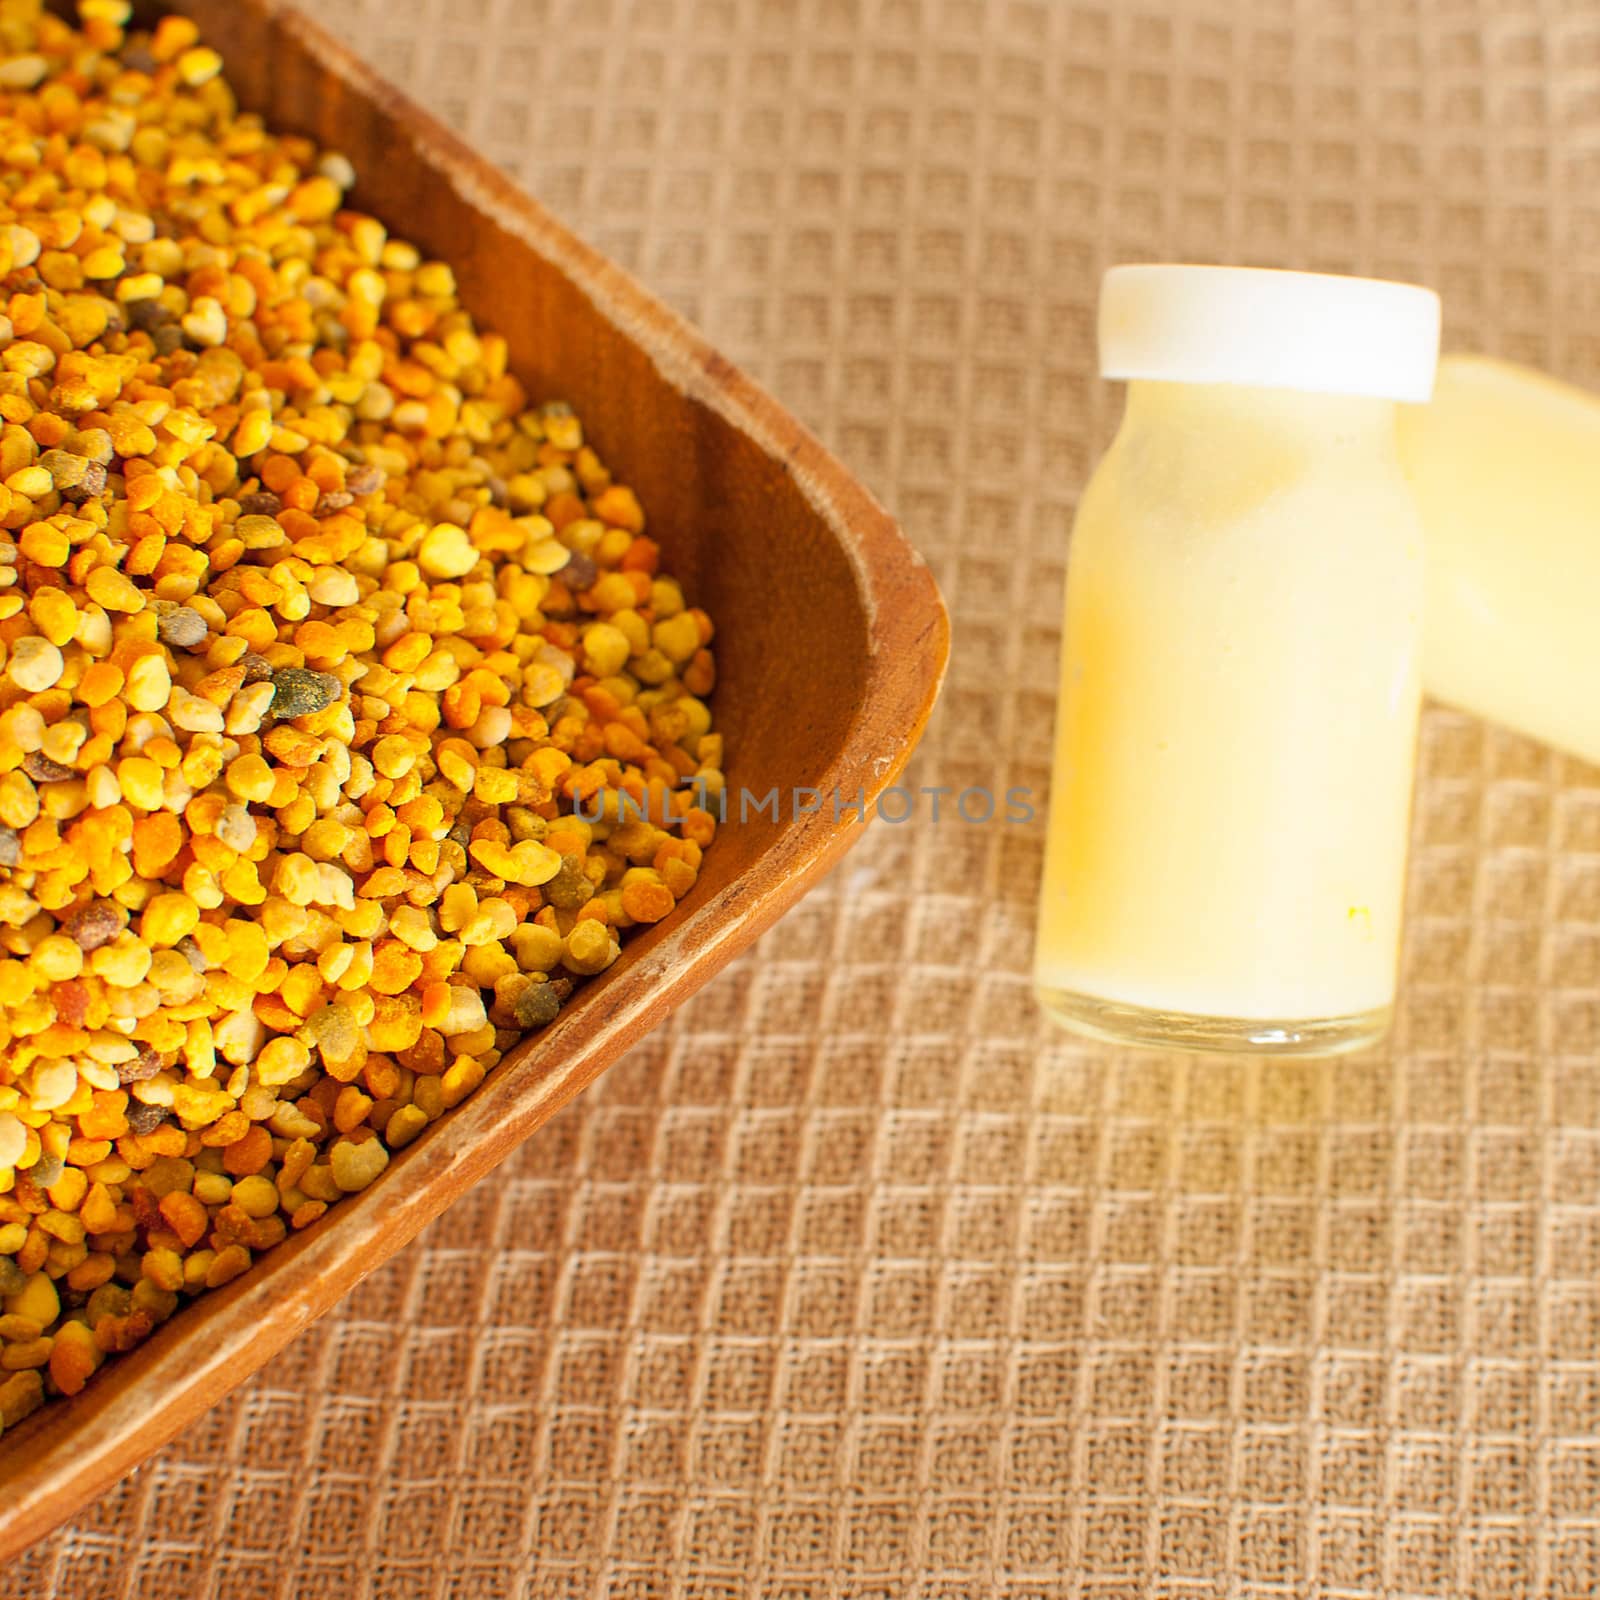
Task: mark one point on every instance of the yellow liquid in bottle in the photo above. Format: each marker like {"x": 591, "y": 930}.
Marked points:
{"x": 1235, "y": 741}
{"x": 1505, "y": 466}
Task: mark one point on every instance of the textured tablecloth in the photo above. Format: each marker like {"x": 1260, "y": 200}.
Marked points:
{"x": 856, "y": 1280}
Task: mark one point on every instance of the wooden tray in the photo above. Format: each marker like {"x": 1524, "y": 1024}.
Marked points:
{"x": 831, "y": 644}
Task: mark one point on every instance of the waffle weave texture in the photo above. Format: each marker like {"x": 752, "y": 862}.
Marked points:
{"x": 856, "y": 1280}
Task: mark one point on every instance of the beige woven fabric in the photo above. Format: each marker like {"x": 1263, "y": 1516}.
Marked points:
{"x": 855, "y": 1280}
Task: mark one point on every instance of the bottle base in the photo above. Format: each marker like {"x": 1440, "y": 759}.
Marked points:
{"x": 1115, "y": 1023}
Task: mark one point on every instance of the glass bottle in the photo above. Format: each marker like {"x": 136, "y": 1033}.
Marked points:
{"x": 1505, "y": 468}
{"x": 1240, "y": 673}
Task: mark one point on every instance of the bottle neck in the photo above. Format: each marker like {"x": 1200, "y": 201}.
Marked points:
{"x": 1285, "y": 413}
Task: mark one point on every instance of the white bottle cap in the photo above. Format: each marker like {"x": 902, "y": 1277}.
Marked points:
{"x": 1273, "y": 330}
